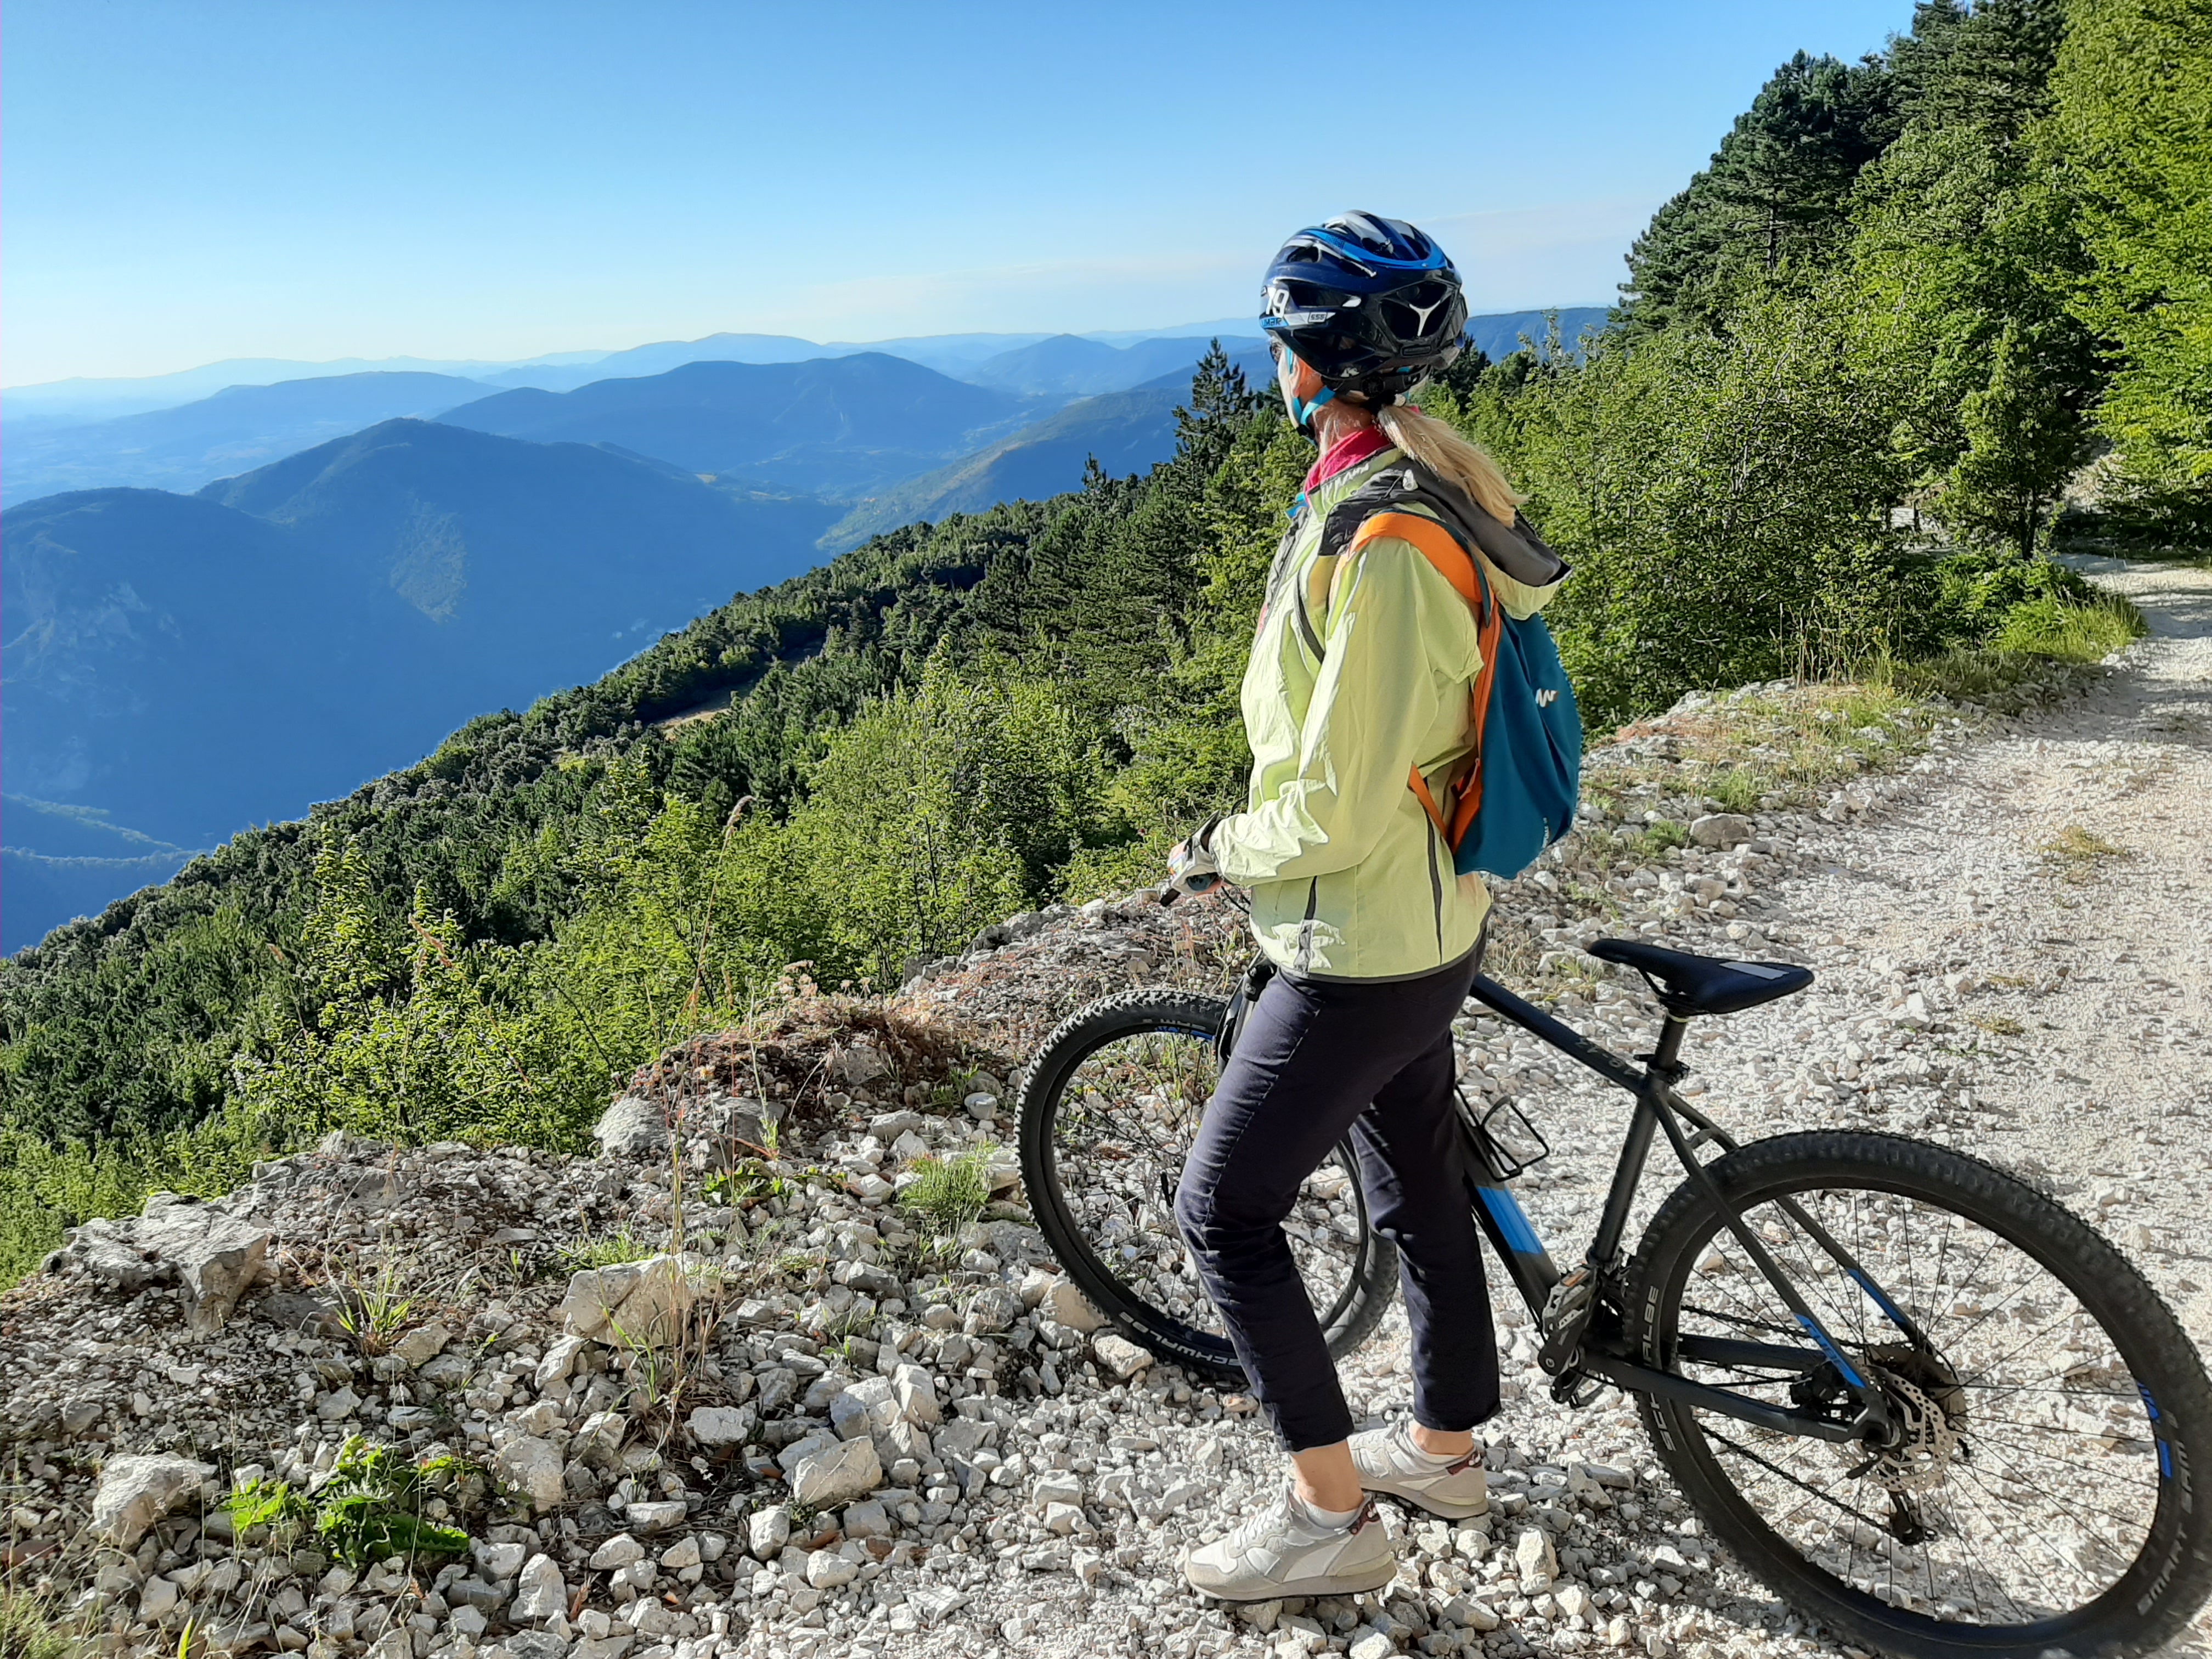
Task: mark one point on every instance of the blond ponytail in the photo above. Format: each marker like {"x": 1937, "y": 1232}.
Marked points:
{"x": 1439, "y": 448}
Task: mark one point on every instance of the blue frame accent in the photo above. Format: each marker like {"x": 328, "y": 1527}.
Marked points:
{"x": 1511, "y": 1220}
{"x": 1835, "y": 1355}
{"x": 1359, "y": 254}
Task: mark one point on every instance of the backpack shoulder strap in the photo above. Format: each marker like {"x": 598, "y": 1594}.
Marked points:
{"x": 1337, "y": 532}
{"x": 1380, "y": 509}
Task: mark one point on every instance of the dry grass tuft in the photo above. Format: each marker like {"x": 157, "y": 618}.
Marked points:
{"x": 2080, "y": 853}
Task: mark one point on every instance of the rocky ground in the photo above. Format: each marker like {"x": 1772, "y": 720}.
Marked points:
{"x": 741, "y": 1397}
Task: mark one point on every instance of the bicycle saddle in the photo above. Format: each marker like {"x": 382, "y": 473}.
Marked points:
{"x": 1689, "y": 984}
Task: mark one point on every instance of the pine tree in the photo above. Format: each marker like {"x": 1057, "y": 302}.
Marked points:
{"x": 1988, "y": 64}
{"x": 1775, "y": 193}
{"x": 1220, "y": 404}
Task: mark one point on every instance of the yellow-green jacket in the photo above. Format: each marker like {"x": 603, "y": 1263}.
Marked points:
{"x": 1348, "y": 876}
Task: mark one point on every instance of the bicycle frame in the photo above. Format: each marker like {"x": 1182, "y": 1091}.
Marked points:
{"x": 1594, "y": 1352}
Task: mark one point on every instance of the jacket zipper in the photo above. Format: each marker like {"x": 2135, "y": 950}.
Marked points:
{"x": 1306, "y": 927}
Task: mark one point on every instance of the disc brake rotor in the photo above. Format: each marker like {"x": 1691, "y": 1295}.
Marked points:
{"x": 1929, "y": 1408}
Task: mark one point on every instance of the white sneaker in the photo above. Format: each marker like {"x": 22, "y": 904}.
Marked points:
{"x": 1390, "y": 1463}
{"x": 1282, "y": 1551}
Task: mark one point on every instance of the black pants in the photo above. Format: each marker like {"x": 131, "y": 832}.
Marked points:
{"x": 1314, "y": 1059}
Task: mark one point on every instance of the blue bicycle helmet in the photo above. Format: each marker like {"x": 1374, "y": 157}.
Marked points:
{"x": 1370, "y": 304}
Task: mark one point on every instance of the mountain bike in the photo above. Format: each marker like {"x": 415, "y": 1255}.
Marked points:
{"x": 1925, "y": 1403}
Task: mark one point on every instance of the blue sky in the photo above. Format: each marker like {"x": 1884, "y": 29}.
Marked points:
{"x": 187, "y": 180}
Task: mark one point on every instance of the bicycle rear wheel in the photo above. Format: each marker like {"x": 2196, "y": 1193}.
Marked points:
{"x": 1110, "y": 1110}
{"x": 2041, "y": 1497}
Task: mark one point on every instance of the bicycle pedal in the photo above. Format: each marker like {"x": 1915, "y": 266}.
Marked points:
{"x": 1577, "y": 1389}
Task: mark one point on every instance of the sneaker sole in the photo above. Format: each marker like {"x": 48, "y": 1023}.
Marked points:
{"x": 1442, "y": 1511}
{"x": 1348, "y": 1584}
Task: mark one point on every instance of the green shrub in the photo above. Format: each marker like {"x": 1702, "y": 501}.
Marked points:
{"x": 1722, "y": 496}
{"x": 373, "y": 1506}
{"x": 31, "y": 1627}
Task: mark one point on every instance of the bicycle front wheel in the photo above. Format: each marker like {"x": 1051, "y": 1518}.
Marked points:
{"x": 2039, "y": 1499}
{"x": 1110, "y": 1110}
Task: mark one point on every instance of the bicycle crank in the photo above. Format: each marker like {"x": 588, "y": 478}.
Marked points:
{"x": 1565, "y": 1320}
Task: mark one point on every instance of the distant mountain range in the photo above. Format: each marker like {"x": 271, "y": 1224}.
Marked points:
{"x": 78, "y": 402}
{"x": 824, "y": 426}
{"x": 1070, "y": 364}
{"x": 345, "y": 586}
{"x": 239, "y": 427}
{"x": 180, "y": 666}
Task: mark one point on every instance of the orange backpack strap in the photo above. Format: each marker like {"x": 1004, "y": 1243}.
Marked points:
{"x": 1435, "y": 542}
{"x": 1432, "y": 541}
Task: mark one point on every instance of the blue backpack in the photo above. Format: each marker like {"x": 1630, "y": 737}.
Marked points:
{"x": 1515, "y": 792}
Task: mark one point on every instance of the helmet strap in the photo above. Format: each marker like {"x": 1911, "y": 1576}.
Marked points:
{"x": 1302, "y": 409}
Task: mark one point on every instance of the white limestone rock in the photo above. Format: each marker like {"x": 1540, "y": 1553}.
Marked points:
{"x": 540, "y": 1591}
{"x": 657, "y": 1516}
{"x": 499, "y": 1562}
{"x": 535, "y": 1467}
{"x": 214, "y": 1256}
{"x": 632, "y": 1128}
{"x": 620, "y": 1551}
{"x": 1069, "y": 1307}
{"x": 916, "y": 1391}
{"x": 419, "y": 1347}
{"x": 723, "y": 1425}
{"x": 849, "y": 1470}
{"x": 641, "y": 1303}
{"x": 136, "y": 1490}
{"x": 868, "y": 1520}
{"x": 1539, "y": 1567}
{"x": 766, "y": 1531}
{"x": 560, "y": 1362}
{"x": 1722, "y": 830}
{"x": 1121, "y": 1356}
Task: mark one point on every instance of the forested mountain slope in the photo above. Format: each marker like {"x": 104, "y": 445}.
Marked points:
{"x": 1120, "y": 431}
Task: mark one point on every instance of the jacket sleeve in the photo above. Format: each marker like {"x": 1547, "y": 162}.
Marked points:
{"x": 1377, "y": 696}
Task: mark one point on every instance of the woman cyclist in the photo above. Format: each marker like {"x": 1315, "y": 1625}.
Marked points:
{"x": 1356, "y": 705}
